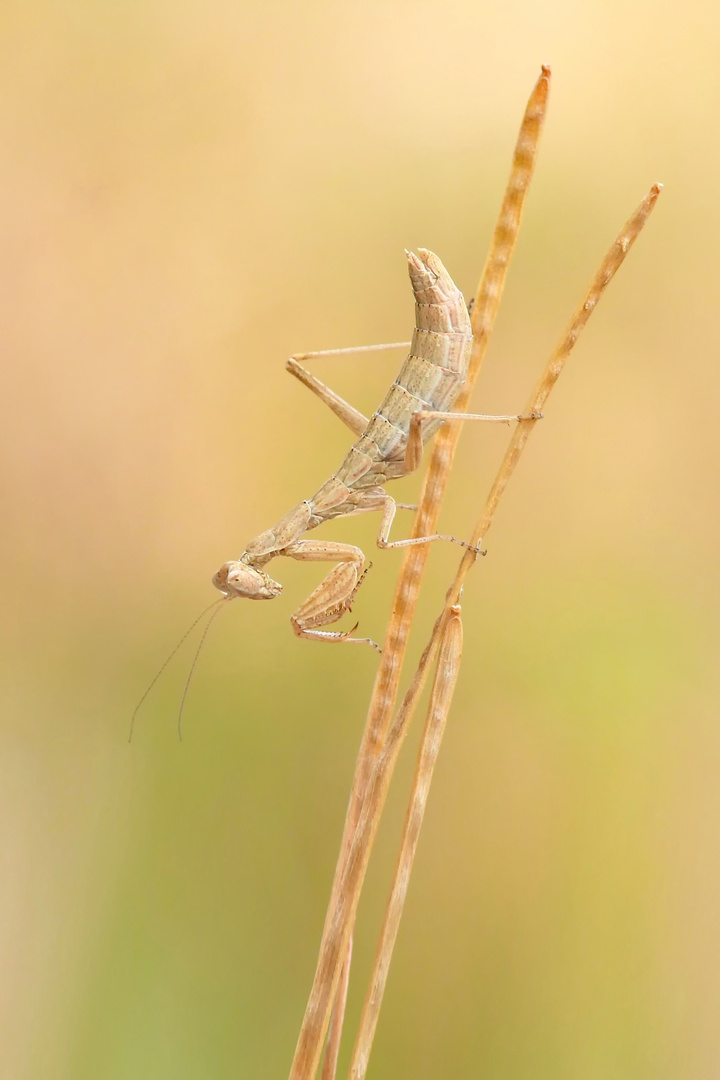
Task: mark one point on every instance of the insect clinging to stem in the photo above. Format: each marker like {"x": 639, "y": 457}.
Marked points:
{"x": 389, "y": 446}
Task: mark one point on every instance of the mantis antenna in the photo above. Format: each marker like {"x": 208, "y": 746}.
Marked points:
{"x": 192, "y": 667}
{"x": 157, "y": 676}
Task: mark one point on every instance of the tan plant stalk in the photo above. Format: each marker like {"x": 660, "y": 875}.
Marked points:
{"x": 430, "y": 744}
{"x": 485, "y": 307}
{"x": 332, "y": 1047}
{"x": 339, "y": 927}
{"x": 484, "y": 312}
{"x": 553, "y": 369}
{"x": 446, "y": 673}
{"x": 339, "y": 924}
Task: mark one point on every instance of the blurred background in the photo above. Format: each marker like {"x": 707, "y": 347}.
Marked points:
{"x": 189, "y": 193}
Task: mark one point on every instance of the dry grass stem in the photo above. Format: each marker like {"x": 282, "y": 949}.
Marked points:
{"x": 484, "y": 313}
{"x": 396, "y": 733}
{"x": 382, "y": 742}
{"x": 338, "y": 927}
{"x": 446, "y": 673}
{"x": 553, "y": 368}
{"x": 485, "y": 307}
{"x": 332, "y": 1047}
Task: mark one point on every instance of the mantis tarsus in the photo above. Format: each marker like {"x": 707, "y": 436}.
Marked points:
{"x": 389, "y": 446}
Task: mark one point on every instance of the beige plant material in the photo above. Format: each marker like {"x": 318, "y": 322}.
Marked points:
{"x": 338, "y": 929}
{"x": 446, "y": 674}
{"x": 332, "y": 1047}
{"x": 339, "y": 924}
{"x": 428, "y": 750}
{"x": 368, "y": 820}
{"x": 484, "y": 312}
{"x": 382, "y": 743}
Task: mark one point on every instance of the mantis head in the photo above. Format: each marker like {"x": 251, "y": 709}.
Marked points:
{"x": 238, "y": 579}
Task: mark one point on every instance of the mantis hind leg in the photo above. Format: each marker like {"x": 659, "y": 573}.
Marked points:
{"x": 342, "y": 409}
{"x": 349, "y": 415}
{"x": 335, "y": 593}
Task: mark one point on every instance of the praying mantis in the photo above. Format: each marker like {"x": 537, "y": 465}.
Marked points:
{"x": 389, "y": 446}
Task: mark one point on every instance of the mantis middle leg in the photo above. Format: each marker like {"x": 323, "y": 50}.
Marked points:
{"x": 378, "y": 498}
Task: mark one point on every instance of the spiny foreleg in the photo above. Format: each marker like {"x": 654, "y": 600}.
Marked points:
{"x": 334, "y": 595}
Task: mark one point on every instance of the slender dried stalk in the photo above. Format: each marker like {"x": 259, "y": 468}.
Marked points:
{"x": 332, "y": 1047}
{"x": 553, "y": 369}
{"x": 430, "y": 744}
{"x": 352, "y": 868}
{"x": 484, "y": 313}
{"x": 446, "y": 673}
{"x": 339, "y": 927}
{"x": 485, "y": 307}
{"x": 610, "y": 265}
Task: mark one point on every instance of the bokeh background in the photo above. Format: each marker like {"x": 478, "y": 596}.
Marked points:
{"x": 189, "y": 193}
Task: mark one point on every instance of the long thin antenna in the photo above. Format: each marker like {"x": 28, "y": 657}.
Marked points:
{"x": 180, "y": 642}
{"x": 192, "y": 667}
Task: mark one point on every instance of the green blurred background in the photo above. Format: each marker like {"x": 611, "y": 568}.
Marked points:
{"x": 190, "y": 192}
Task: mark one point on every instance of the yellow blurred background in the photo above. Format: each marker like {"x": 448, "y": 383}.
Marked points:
{"x": 189, "y": 193}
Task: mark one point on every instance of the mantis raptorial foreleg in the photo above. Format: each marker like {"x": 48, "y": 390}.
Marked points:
{"x": 334, "y": 595}
{"x": 336, "y": 592}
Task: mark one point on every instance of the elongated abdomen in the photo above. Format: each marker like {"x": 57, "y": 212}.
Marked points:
{"x": 431, "y": 377}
